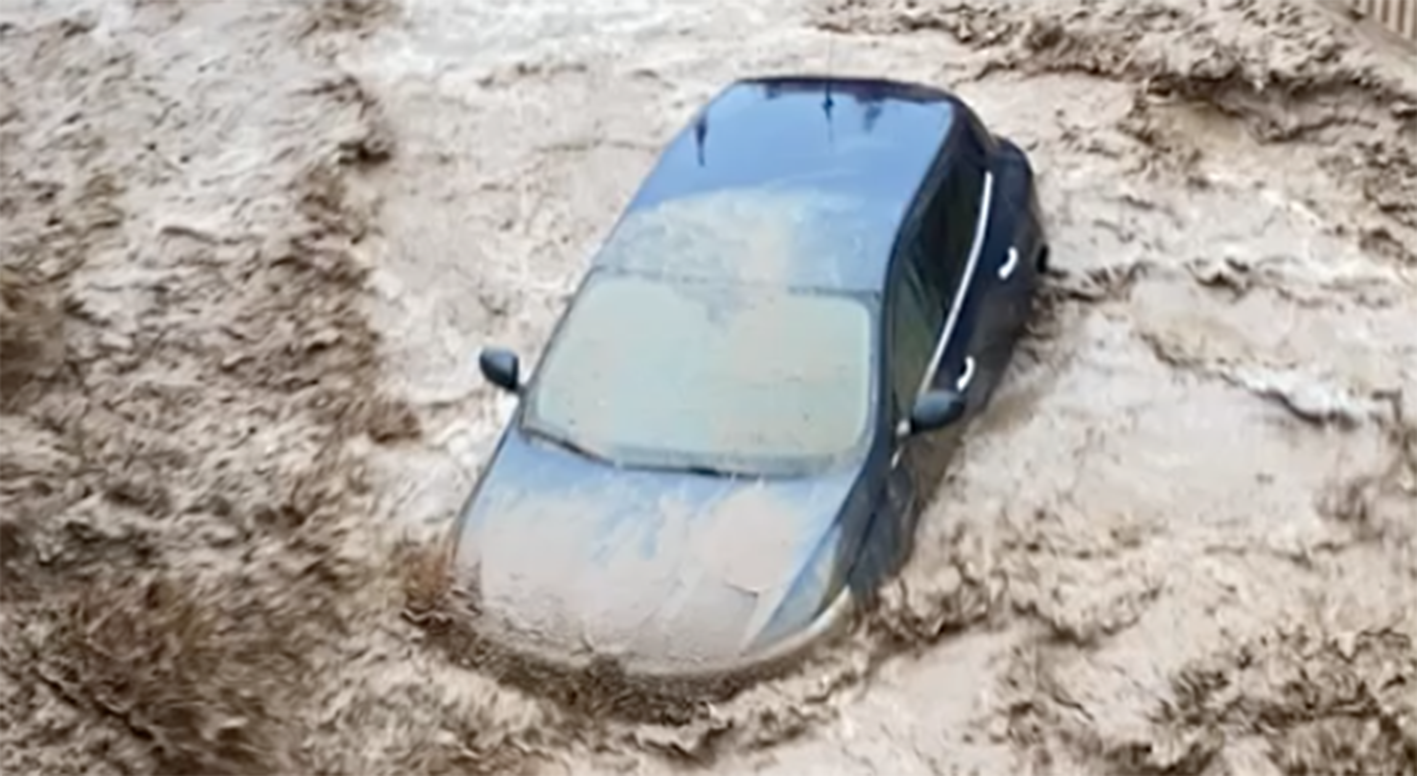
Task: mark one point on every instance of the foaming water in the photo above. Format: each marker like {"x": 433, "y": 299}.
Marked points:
{"x": 1150, "y": 492}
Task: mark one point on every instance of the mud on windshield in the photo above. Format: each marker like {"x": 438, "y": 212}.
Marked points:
{"x": 656, "y": 372}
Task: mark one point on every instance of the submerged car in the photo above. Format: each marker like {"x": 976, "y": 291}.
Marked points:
{"x": 718, "y": 458}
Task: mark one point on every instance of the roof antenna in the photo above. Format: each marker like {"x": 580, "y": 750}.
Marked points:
{"x": 701, "y": 134}
{"x": 827, "y": 101}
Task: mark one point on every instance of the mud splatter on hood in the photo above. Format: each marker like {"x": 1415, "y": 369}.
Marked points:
{"x": 661, "y": 570}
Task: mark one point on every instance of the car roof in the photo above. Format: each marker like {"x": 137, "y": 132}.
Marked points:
{"x": 800, "y": 180}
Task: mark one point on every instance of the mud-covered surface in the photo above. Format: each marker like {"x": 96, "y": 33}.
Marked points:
{"x": 248, "y": 250}
{"x": 192, "y": 583}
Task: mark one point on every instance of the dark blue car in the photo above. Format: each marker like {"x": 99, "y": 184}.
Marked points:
{"x": 719, "y": 457}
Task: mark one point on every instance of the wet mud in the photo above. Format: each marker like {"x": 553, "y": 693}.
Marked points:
{"x": 190, "y": 576}
{"x": 249, "y": 251}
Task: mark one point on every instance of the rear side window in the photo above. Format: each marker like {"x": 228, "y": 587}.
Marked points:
{"x": 950, "y": 220}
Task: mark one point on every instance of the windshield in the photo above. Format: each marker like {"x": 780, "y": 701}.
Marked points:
{"x": 686, "y": 374}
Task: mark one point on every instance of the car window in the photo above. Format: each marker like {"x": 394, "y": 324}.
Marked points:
{"x": 948, "y": 225}
{"x": 672, "y": 373}
{"x": 915, "y": 328}
{"x": 934, "y": 260}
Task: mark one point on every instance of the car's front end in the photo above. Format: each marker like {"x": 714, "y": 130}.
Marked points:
{"x": 677, "y": 576}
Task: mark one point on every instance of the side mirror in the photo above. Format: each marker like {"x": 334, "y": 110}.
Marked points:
{"x": 935, "y": 410}
{"x": 501, "y": 367}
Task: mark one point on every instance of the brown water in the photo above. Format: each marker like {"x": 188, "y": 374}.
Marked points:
{"x": 250, "y": 251}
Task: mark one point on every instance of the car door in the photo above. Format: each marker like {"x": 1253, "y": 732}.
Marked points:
{"x": 1008, "y": 261}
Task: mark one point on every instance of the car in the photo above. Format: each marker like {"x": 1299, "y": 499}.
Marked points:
{"x": 719, "y": 458}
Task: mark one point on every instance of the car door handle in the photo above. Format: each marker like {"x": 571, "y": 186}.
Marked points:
{"x": 967, "y": 375}
{"x": 1010, "y": 264}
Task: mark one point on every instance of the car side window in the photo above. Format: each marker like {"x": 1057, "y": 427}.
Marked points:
{"x": 915, "y": 327}
{"x": 949, "y": 224}
{"x": 934, "y": 260}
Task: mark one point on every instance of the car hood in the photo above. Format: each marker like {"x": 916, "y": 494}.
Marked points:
{"x": 664, "y": 571}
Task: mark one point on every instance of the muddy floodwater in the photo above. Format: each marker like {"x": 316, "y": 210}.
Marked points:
{"x": 249, "y": 250}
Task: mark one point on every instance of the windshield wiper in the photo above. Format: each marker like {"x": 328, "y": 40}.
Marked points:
{"x": 570, "y": 445}
{"x": 711, "y": 471}
{"x": 703, "y": 469}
